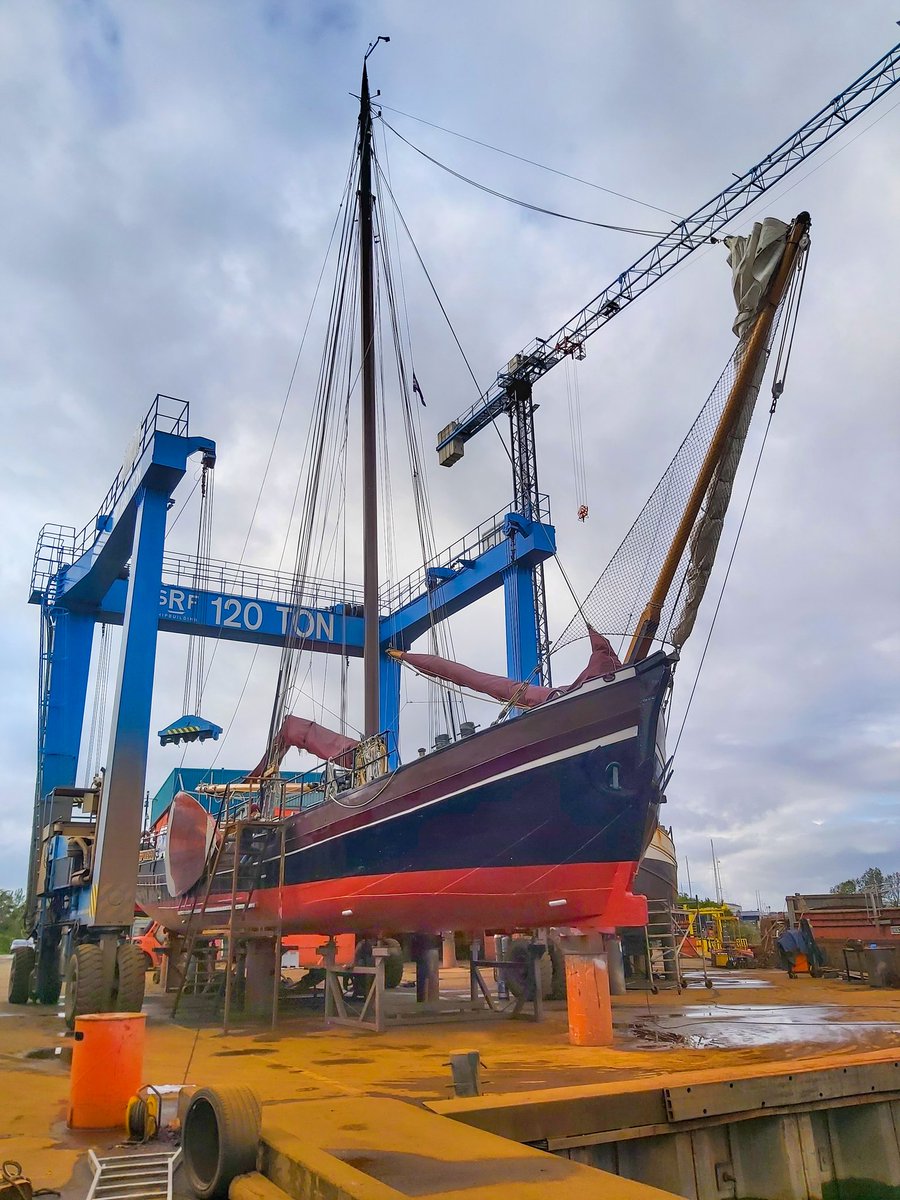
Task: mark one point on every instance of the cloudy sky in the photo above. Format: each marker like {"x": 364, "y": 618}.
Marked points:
{"x": 171, "y": 174}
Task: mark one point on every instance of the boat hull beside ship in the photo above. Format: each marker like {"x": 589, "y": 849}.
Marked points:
{"x": 539, "y": 820}
{"x": 657, "y": 875}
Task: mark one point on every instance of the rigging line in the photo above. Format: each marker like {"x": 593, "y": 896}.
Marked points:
{"x": 440, "y": 303}
{"x": 183, "y": 507}
{"x": 724, "y": 583}
{"x": 441, "y": 638}
{"x": 532, "y": 163}
{"x": 549, "y": 212}
{"x": 341, "y": 208}
{"x": 578, "y": 604}
{"x": 430, "y": 280}
{"x": 277, "y": 433}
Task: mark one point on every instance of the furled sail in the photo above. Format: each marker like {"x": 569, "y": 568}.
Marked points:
{"x": 753, "y": 261}
{"x": 523, "y": 695}
{"x": 305, "y": 735}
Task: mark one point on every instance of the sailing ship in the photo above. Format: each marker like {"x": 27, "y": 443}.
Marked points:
{"x": 539, "y": 819}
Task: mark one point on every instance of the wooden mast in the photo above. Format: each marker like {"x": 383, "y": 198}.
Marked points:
{"x": 642, "y": 640}
{"x": 371, "y": 647}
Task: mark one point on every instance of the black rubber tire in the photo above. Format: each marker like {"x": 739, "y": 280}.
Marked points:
{"x": 20, "y": 975}
{"x": 518, "y": 976}
{"x": 219, "y": 1139}
{"x": 84, "y": 983}
{"x": 48, "y": 983}
{"x": 131, "y": 978}
{"x": 393, "y": 964}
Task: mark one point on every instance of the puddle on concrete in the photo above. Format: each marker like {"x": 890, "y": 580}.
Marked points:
{"x": 250, "y": 1050}
{"x": 745, "y": 1026}
{"x": 338, "y": 1062}
{"x": 725, "y": 979}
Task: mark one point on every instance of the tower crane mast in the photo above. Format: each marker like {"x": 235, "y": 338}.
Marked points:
{"x": 511, "y": 392}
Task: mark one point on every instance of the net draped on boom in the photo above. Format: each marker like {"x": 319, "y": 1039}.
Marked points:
{"x": 615, "y": 602}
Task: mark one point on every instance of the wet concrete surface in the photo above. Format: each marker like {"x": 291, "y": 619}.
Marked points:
{"x": 812, "y": 1027}
{"x": 746, "y": 1019}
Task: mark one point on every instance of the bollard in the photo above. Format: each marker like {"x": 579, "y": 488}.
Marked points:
{"x": 107, "y": 1065}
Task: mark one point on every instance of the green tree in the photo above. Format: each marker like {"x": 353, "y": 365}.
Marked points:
{"x": 847, "y": 888}
{"x": 12, "y": 916}
{"x": 871, "y": 880}
{"x": 891, "y": 889}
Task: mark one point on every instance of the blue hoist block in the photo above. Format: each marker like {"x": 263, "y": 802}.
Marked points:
{"x": 189, "y": 729}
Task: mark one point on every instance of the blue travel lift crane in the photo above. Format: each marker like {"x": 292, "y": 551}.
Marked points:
{"x": 83, "y": 865}
{"x": 83, "y": 868}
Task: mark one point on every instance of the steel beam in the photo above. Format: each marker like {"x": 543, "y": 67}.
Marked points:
{"x": 119, "y": 822}
{"x": 69, "y": 659}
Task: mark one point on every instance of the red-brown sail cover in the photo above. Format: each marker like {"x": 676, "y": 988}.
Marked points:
{"x": 523, "y": 695}
{"x": 603, "y": 661}
{"x": 325, "y": 743}
{"x": 306, "y": 735}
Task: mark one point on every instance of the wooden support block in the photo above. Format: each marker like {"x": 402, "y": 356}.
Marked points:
{"x": 588, "y": 1000}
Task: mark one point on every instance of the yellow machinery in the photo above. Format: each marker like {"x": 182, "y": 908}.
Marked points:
{"x": 712, "y": 932}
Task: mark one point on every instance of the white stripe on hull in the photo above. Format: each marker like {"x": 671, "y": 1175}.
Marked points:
{"x": 610, "y": 739}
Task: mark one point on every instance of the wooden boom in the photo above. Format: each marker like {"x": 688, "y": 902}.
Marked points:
{"x": 648, "y": 624}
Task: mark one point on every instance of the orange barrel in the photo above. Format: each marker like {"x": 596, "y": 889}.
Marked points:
{"x": 107, "y": 1068}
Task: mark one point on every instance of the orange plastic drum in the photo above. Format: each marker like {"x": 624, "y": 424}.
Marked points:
{"x": 107, "y": 1068}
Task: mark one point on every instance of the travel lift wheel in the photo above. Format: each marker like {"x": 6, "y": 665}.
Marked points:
{"x": 84, "y": 983}
{"x": 131, "y": 977}
{"x": 219, "y": 1139}
{"x": 48, "y": 977}
{"x": 85, "y": 992}
{"x": 20, "y": 975}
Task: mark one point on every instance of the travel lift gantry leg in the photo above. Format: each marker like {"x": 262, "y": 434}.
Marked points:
{"x": 132, "y": 527}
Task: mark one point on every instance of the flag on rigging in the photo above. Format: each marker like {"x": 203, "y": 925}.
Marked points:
{"x": 418, "y": 390}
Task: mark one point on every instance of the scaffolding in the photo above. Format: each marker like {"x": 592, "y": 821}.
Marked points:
{"x": 234, "y": 962}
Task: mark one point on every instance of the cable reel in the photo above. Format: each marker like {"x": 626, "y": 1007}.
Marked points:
{"x": 143, "y": 1113}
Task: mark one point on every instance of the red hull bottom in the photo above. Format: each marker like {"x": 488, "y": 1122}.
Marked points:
{"x": 595, "y": 895}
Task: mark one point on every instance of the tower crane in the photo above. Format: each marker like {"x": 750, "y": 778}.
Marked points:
{"x": 511, "y": 392}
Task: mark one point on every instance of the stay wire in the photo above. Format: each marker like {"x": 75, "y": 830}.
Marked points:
{"x": 548, "y": 212}
{"x": 441, "y": 637}
{"x": 280, "y": 422}
{"x": 341, "y": 209}
{"x": 533, "y": 163}
{"x": 440, "y": 303}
